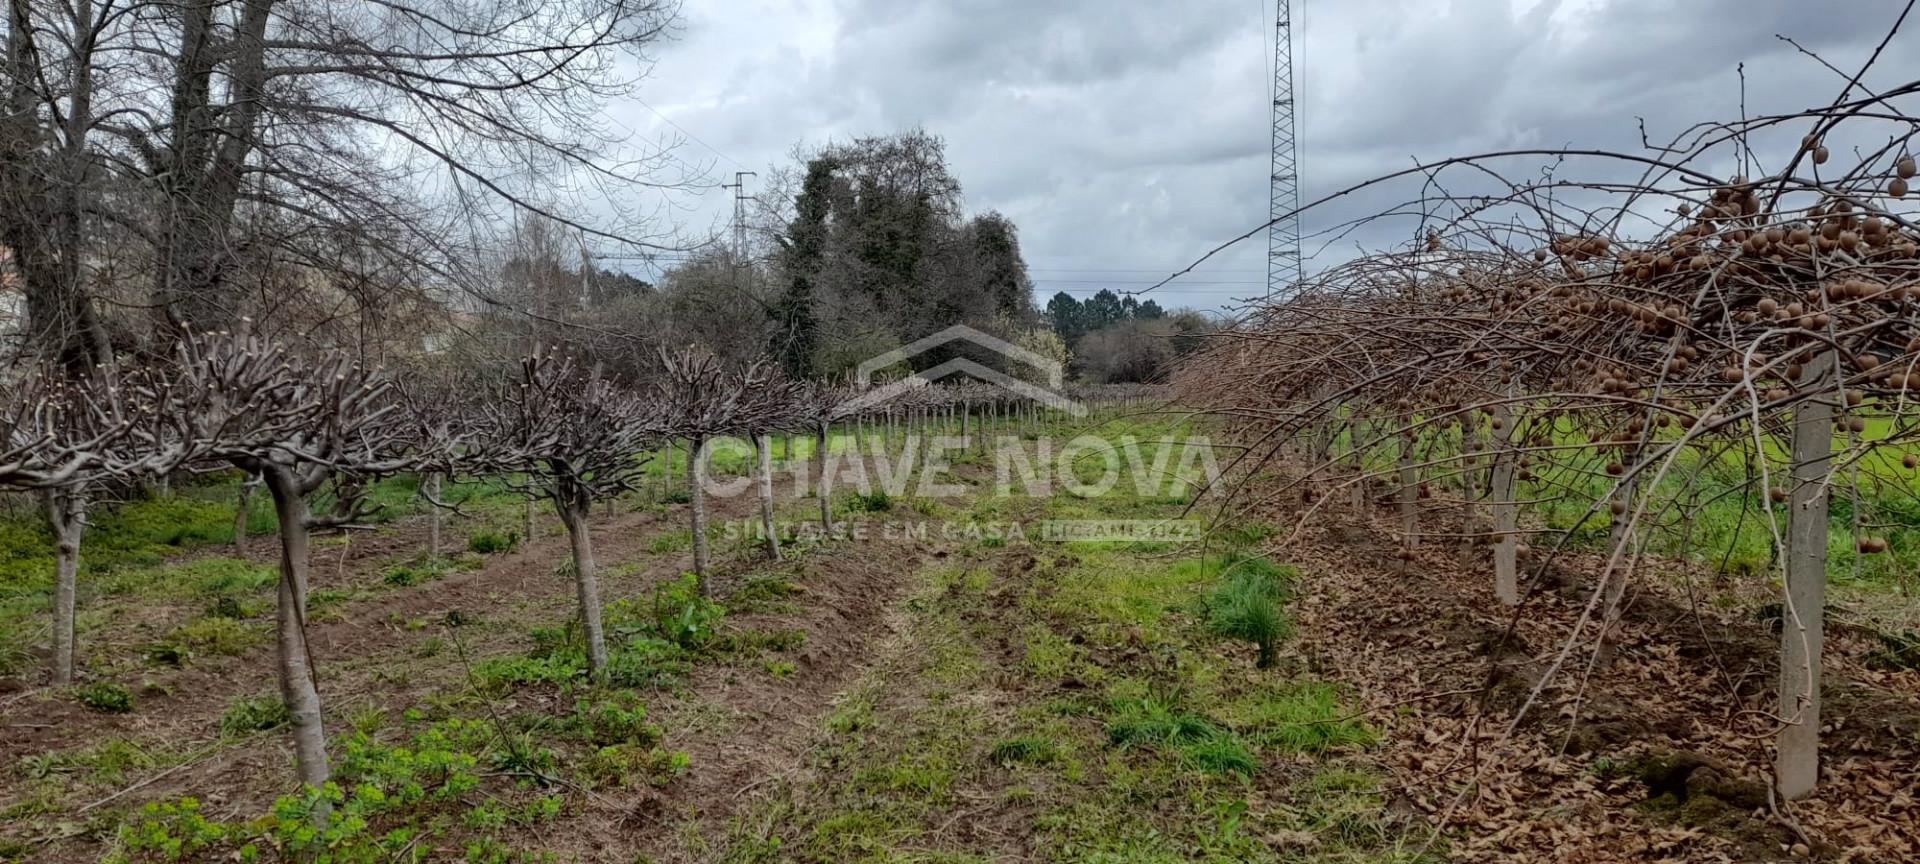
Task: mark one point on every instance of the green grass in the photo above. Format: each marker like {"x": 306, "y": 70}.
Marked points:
{"x": 1295, "y": 717}
{"x": 1710, "y": 506}
{"x": 218, "y": 635}
{"x": 1247, "y": 604}
{"x": 1085, "y": 690}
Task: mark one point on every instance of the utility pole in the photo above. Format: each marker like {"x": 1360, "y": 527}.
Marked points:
{"x": 739, "y": 187}
{"x": 1285, "y": 267}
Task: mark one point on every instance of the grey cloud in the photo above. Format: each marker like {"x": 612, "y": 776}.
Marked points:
{"x": 1124, "y": 135}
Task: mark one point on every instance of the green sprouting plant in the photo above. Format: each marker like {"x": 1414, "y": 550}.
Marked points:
{"x": 1247, "y": 604}
{"x": 227, "y": 637}
{"x": 1155, "y": 721}
{"x": 877, "y": 501}
{"x": 550, "y": 641}
{"x": 105, "y": 697}
{"x": 250, "y": 714}
{"x": 1300, "y": 716}
{"x": 231, "y": 607}
{"x": 1221, "y": 753}
{"x": 173, "y": 831}
{"x": 415, "y": 572}
{"x": 613, "y": 717}
{"x": 486, "y": 816}
{"x": 682, "y": 615}
{"x": 1027, "y": 750}
{"x": 499, "y": 675}
{"x": 677, "y": 496}
{"x": 168, "y": 654}
{"x": 646, "y": 662}
{"x": 670, "y": 541}
{"x": 518, "y": 754}
{"x": 214, "y": 577}
{"x": 626, "y": 764}
{"x": 489, "y": 542}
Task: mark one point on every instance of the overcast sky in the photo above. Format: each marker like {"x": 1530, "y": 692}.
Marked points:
{"x": 1125, "y": 137}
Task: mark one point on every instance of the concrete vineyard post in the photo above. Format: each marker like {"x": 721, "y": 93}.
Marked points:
{"x": 1409, "y": 498}
{"x": 1506, "y": 577}
{"x": 1797, "y": 762}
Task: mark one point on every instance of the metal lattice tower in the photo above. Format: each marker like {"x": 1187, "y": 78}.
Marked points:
{"x": 1284, "y": 264}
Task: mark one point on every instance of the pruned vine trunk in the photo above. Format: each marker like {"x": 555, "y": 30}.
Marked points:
{"x": 433, "y": 515}
{"x": 823, "y": 487}
{"x": 66, "y": 511}
{"x": 573, "y": 511}
{"x": 764, "y": 481}
{"x": 697, "y": 504}
{"x": 243, "y": 508}
{"x": 528, "y": 526}
{"x": 298, "y": 688}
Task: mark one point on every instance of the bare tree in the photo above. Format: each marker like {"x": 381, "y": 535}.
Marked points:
{"x": 300, "y": 423}
{"x": 259, "y": 137}
{"x": 707, "y": 400}
{"x": 578, "y": 438}
{"x": 67, "y": 436}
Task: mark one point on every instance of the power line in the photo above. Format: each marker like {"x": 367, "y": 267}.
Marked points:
{"x": 683, "y": 130}
{"x": 1131, "y": 270}
{"x": 1143, "y": 282}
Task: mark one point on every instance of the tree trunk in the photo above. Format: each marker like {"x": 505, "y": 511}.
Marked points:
{"x": 203, "y": 182}
{"x": 243, "y": 508}
{"x": 823, "y": 487}
{"x": 573, "y": 514}
{"x": 697, "y": 498}
{"x": 66, "y": 514}
{"x": 1797, "y": 765}
{"x": 433, "y": 515}
{"x": 297, "y": 683}
{"x": 764, "y": 444}
{"x": 527, "y": 547}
